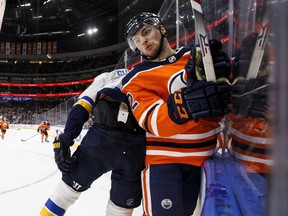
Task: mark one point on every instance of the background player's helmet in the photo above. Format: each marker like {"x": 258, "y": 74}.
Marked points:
{"x": 138, "y": 22}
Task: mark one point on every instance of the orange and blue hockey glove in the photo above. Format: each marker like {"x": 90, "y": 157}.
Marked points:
{"x": 200, "y": 99}
{"x": 221, "y": 62}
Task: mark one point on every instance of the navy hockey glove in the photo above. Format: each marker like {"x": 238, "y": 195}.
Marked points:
{"x": 200, "y": 99}
{"x": 195, "y": 68}
{"x": 243, "y": 57}
{"x": 62, "y": 154}
{"x": 250, "y": 98}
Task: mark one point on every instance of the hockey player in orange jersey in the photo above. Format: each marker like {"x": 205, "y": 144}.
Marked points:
{"x": 4, "y": 125}
{"x": 181, "y": 121}
{"x": 43, "y": 128}
{"x": 250, "y": 132}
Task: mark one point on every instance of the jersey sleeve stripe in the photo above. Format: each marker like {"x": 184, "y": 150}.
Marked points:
{"x": 191, "y": 137}
{"x": 51, "y": 209}
{"x": 260, "y": 140}
{"x": 85, "y": 104}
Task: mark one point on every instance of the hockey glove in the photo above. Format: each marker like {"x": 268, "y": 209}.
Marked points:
{"x": 243, "y": 57}
{"x": 195, "y": 68}
{"x": 250, "y": 98}
{"x": 200, "y": 99}
{"x": 62, "y": 154}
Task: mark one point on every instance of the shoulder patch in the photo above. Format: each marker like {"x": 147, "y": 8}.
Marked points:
{"x": 121, "y": 72}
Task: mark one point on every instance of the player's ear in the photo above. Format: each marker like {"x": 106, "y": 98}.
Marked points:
{"x": 163, "y": 30}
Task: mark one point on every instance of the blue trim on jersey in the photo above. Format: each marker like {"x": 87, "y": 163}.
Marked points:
{"x": 54, "y": 208}
{"x": 146, "y": 65}
{"x": 184, "y": 145}
{"x": 75, "y": 121}
{"x": 88, "y": 99}
{"x": 114, "y": 93}
{"x": 147, "y": 117}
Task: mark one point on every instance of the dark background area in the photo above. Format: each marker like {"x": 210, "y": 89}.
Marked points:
{"x": 64, "y": 20}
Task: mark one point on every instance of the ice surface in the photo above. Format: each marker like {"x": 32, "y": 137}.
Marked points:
{"x": 29, "y": 176}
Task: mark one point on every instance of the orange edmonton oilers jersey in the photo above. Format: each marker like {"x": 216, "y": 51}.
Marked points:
{"x": 43, "y": 127}
{"x": 148, "y": 86}
{"x": 4, "y": 125}
{"x": 251, "y": 141}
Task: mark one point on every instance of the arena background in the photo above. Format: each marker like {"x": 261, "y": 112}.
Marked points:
{"x": 229, "y": 21}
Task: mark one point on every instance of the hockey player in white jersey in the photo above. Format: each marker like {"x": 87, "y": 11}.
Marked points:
{"x": 114, "y": 131}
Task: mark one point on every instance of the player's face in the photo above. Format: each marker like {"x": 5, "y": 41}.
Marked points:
{"x": 147, "y": 40}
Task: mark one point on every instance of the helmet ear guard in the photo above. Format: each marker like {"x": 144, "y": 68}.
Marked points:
{"x": 132, "y": 45}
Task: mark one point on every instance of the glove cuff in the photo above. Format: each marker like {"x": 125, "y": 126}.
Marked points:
{"x": 65, "y": 140}
{"x": 177, "y": 108}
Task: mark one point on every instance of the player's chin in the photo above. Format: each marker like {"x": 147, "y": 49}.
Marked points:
{"x": 151, "y": 52}
{"x": 150, "y": 49}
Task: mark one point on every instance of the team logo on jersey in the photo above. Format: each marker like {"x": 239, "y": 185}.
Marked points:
{"x": 122, "y": 72}
{"x": 166, "y": 203}
{"x": 172, "y": 59}
{"x": 130, "y": 202}
{"x": 177, "y": 81}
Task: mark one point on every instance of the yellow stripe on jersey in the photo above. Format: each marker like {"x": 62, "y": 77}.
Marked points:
{"x": 46, "y": 212}
{"x": 84, "y": 104}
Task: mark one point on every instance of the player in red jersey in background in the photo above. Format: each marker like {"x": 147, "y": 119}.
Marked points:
{"x": 43, "y": 128}
{"x": 4, "y": 125}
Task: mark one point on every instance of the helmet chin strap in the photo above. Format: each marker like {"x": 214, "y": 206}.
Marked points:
{"x": 158, "y": 51}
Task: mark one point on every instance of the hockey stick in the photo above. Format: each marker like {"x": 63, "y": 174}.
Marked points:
{"x": 23, "y": 140}
{"x": 258, "y": 52}
{"x": 250, "y": 92}
{"x": 205, "y": 49}
{"x": 203, "y": 40}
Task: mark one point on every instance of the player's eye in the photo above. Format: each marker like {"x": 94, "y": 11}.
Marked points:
{"x": 146, "y": 31}
{"x": 136, "y": 40}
